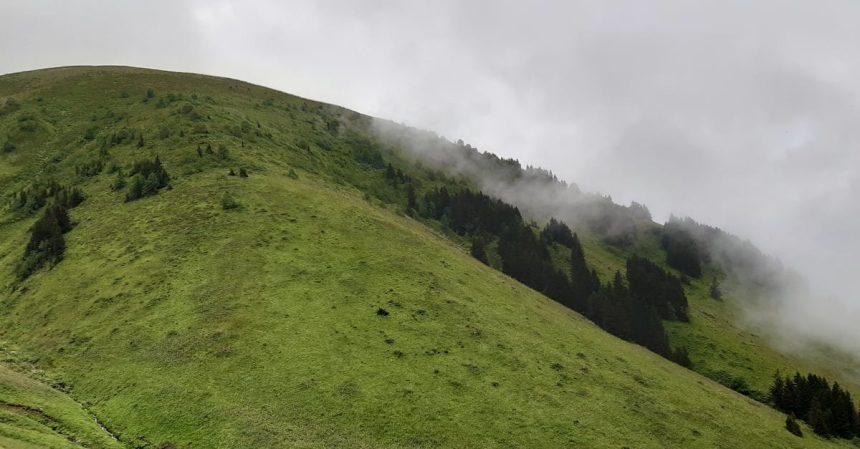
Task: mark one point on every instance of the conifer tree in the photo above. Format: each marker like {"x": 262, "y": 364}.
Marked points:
{"x": 819, "y": 417}
{"x": 479, "y": 249}
{"x": 411, "y": 202}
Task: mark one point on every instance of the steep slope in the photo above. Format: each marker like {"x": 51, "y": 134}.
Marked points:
{"x": 314, "y": 314}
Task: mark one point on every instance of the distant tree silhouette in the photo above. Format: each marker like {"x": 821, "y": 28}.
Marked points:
{"x": 682, "y": 251}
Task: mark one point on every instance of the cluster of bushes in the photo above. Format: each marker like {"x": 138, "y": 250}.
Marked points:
{"x": 827, "y": 408}
{"x": 35, "y": 196}
{"x": 89, "y": 169}
{"x": 147, "y": 178}
{"x": 223, "y": 153}
{"x": 189, "y": 112}
{"x": 165, "y": 100}
{"x": 122, "y": 136}
{"x": 27, "y": 123}
{"x": 632, "y": 310}
{"x": 241, "y": 130}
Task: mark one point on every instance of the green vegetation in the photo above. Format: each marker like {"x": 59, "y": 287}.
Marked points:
{"x": 34, "y": 415}
{"x": 320, "y": 313}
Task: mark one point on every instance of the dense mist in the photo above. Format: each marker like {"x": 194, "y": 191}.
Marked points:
{"x": 742, "y": 116}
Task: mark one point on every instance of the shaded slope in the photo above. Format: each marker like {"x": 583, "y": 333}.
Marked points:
{"x": 182, "y": 323}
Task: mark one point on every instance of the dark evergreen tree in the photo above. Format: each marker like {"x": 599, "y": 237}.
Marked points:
{"x": 557, "y": 232}
{"x": 819, "y": 417}
{"x": 411, "y": 202}
{"x": 479, "y": 249}
{"x": 682, "y": 251}
{"x": 46, "y": 244}
{"x": 583, "y": 282}
{"x": 135, "y": 188}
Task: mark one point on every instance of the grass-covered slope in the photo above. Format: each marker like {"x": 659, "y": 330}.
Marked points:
{"x": 34, "y": 415}
{"x": 181, "y": 324}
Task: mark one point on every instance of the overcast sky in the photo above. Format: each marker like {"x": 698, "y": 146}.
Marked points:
{"x": 740, "y": 115}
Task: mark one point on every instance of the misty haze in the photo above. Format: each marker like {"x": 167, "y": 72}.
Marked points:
{"x": 453, "y": 224}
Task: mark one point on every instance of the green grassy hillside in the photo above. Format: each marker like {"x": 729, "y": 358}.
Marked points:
{"x": 34, "y": 415}
{"x": 180, "y": 323}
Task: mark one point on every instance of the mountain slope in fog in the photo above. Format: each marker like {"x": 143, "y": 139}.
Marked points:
{"x": 298, "y": 306}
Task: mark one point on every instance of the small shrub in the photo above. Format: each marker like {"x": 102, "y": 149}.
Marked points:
{"x": 714, "y": 290}
{"x": 89, "y": 169}
{"x": 27, "y": 123}
{"x": 228, "y": 202}
{"x": 382, "y": 312}
{"x": 792, "y": 426}
{"x": 200, "y": 128}
{"x": 231, "y": 173}
{"x": 243, "y": 173}
{"x": 9, "y": 106}
{"x": 118, "y": 182}
{"x": 223, "y": 152}
{"x": 292, "y": 174}
{"x": 8, "y": 147}
{"x": 150, "y": 93}
{"x": 91, "y": 133}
